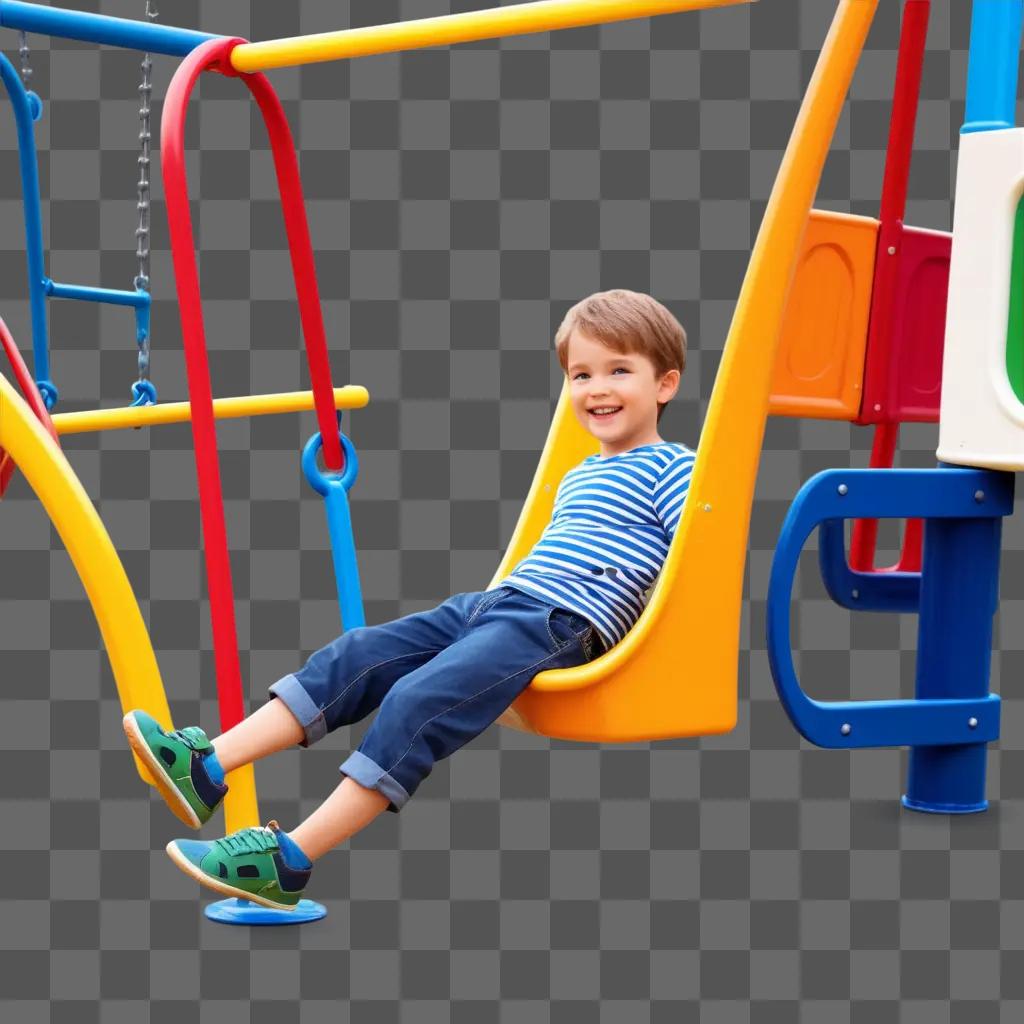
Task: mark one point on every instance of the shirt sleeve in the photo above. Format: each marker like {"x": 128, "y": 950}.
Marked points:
{"x": 670, "y": 491}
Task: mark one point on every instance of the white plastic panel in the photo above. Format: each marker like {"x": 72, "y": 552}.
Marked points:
{"x": 981, "y": 422}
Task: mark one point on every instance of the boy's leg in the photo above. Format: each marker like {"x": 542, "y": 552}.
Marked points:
{"x": 340, "y": 683}
{"x": 429, "y": 714}
{"x": 269, "y": 866}
{"x": 348, "y": 810}
{"x": 438, "y": 708}
{"x": 267, "y": 730}
{"x": 345, "y": 680}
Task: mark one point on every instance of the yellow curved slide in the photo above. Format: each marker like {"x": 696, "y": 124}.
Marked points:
{"x": 675, "y": 673}
{"x": 92, "y": 553}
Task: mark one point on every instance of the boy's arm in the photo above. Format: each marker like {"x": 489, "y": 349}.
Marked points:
{"x": 670, "y": 491}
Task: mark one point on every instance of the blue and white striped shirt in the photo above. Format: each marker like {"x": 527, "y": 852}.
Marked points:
{"x": 609, "y": 534}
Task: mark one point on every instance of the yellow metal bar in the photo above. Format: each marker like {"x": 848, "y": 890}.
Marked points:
{"x": 517, "y": 19}
{"x": 125, "y": 417}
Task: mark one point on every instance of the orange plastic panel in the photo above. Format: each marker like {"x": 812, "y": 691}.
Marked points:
{"x": 820, "y": 366}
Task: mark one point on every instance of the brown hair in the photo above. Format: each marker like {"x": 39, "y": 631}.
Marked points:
{"x": 627, "y": 321}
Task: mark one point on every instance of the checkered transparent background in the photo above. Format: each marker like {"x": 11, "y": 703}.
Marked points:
{"x": 460, "y": 200}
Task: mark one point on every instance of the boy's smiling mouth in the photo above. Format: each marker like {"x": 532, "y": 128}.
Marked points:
{"x": 604, "y": 412}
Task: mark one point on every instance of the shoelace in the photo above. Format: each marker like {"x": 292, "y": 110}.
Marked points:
{"x": 192, "y": 736}
{"x": 249, "y": 840}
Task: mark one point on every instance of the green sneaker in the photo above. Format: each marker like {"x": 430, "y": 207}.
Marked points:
{"x": 176, "y": 762}
{"x": 248, "y": 864}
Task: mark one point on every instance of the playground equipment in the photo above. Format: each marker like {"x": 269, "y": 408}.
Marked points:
{"x": 874, "y": 363}
{"x": 27, "y": 109}
{"x": 863, "y": 334}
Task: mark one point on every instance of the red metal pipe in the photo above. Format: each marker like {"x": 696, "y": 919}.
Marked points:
{"x": 23, "y": 378}
{"x": 865, "y": 531}
{"x": 215, "y": 56}
{"x": 906, "y": 94}
{"x": 864, "y": 539}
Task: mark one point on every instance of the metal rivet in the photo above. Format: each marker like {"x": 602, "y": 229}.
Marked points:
{"x": 707, "y": 508}
{"x": 878, "y": 406}
{"x": 842, "y": 488}
{"x": 855, "y": 594}
{"x": 845, "y": 729}
{"x": 891, "y": 250}
{"x": 972, "y": 723}
{"x": 979, "y": 495}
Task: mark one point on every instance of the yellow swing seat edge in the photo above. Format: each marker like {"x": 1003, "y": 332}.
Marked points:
{"x": 675, "y": 673}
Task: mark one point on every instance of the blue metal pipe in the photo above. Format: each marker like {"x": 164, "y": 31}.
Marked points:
{"x": 99, "y": 28}
{"x": 21, "y": 105}
{"x": 335, "y": 487}
{"x": 992, "y": 65}
{"x": 138, "y": 299}
{"x": 89, "y": 293}
{"x": 959, "y": 598}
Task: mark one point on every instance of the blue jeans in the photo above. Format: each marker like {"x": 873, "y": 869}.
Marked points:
{"x": 439, "y": 678}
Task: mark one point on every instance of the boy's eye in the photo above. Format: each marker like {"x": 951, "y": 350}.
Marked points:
{"x": 624, "y": 369}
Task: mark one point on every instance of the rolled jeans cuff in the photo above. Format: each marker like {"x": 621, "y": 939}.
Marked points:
{"x": 370, "y": 775}
{"x": 306, "y": 711}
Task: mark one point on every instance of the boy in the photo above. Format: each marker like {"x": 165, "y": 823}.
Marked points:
{"x": 440, "y": 677}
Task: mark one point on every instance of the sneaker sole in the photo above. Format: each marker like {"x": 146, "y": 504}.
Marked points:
{"x": 174, "y": 800}
{"x": 223, "y": 888}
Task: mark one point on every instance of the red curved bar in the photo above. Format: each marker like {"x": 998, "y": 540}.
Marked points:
{"x": 23, "y": 378}
{"x": 881, "y": 352}
{"x": 215, "y": 56}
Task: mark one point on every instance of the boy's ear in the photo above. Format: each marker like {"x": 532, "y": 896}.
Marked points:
{"x": 668, "y": 385}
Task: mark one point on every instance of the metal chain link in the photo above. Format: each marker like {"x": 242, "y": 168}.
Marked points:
{"x": 25, "y": 53}
{"x": 142, "y": 250}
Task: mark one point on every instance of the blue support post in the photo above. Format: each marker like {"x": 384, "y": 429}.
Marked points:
{"x": 959, "y": 597}
{"x": 21, "y": 105}
{"x": 992, "y": 65}
{"x": 953, "y": 716}
{"x": 99, "y": 28}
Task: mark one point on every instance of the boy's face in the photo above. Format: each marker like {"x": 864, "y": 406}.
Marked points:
{"x": 601, "y": 378}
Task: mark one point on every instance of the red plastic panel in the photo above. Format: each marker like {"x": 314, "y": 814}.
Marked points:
{"x": 903, "y": 369}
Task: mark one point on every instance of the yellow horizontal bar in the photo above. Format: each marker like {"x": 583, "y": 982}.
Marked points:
{"x": 351, "y": 397}
{"x": 518, "y": 19}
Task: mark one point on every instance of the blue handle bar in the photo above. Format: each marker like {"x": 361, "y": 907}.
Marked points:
{"x": 862, "y": 591}
{"x": 833, "y": 496}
